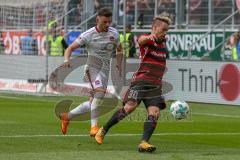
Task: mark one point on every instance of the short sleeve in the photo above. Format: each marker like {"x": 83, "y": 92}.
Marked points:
{"x": 81, "y": 40}
{"x": 84, "y": 38}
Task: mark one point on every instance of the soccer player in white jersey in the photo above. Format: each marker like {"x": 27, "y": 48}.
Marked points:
{"x": 100, "y": 42}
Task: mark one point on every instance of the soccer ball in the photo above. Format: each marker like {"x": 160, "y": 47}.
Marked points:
{"x": 179, "y": 109}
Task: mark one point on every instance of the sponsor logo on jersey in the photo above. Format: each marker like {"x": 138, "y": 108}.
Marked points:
{"x": 97, "y": 82}
{"x": 111, "y": 38}
{"x": 158, "y": 54}
{"x": 110, "y": 46}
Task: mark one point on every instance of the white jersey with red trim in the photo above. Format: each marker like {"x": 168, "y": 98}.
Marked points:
{"x": 100, "y": 46}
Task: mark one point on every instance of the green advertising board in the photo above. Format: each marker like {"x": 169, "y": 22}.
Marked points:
{"x": 186, "y": 45}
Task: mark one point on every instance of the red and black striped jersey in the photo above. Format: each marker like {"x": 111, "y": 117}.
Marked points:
{"x": 152, "y": 62}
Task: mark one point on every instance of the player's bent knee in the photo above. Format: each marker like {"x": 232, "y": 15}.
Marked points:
{"x": 129, "y": 109}
{"x": 132, "y": 103}
{"x": 155, "y": 114}
{"x": 153, "y": 110}
{"x": 99, "y": 93}
{"x": 130, "y": 106}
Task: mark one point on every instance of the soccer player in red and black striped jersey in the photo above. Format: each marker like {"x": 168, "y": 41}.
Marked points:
{"x": 146, "y": 83}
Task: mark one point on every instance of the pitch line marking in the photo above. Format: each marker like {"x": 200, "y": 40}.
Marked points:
{"x": 28, "y": 99}
{"x": 48, "y": 100}
{"x": 216, "y": 115}
{"x": 115, "y": 135}
{"x": 11, "y": 97}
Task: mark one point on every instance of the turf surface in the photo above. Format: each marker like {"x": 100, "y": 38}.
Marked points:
{"x": 31, "y": 131}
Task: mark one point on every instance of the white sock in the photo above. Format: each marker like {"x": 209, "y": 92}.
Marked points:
{"x": 82, "y": 108}
{"x": 94, "y": 111}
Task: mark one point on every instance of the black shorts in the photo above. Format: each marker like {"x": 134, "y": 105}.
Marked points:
{"x": 150, "y": 94}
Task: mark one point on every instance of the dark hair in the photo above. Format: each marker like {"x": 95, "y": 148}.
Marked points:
{"x": 105, "y": 12}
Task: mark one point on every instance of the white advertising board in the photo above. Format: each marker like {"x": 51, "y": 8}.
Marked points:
{"x": 204, "y": 81}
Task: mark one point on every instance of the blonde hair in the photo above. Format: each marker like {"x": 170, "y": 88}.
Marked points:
{"x": 163, "y": 18}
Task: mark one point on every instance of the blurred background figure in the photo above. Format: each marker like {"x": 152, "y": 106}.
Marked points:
{"x": 167, "y": 6}
{"x": 221, "y": 8}
{"x": 102, "y": 3}
{"x": 129, "y": 11}
{"x": 28, "y": 44}
{"x": 129, "y": 43}
{"x": 231, "y": 48}
{"x": 1, "y": 43}
{"x": 57, "y": 43}
{"x": 144, "y": 10}
{"x": 235, "y": 43}
{"x": 194, "y": 11}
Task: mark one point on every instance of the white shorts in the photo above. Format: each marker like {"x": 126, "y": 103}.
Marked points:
{"x": 98, "y": 77}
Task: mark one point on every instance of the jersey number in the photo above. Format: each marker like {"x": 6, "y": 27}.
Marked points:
{"x": 133, "y": 94}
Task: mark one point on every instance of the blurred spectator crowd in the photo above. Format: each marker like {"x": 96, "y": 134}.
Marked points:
{"x": 138, "y": 12}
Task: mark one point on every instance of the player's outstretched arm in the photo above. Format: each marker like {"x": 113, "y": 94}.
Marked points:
{"x": 145, "y": 38}
{"x": 68, "y": 52}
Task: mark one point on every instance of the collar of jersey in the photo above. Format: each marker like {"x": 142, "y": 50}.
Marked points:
{"x": 99, "y": 31}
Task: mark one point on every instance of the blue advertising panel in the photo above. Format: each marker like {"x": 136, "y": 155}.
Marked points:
{"x": 71, "y": 37}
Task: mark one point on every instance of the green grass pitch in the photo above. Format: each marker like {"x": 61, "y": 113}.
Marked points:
{"x": 29, "y": 130}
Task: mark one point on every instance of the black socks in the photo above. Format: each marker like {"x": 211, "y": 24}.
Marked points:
{"x": 149, "y": 126}
{"x": 116, "y": 117}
